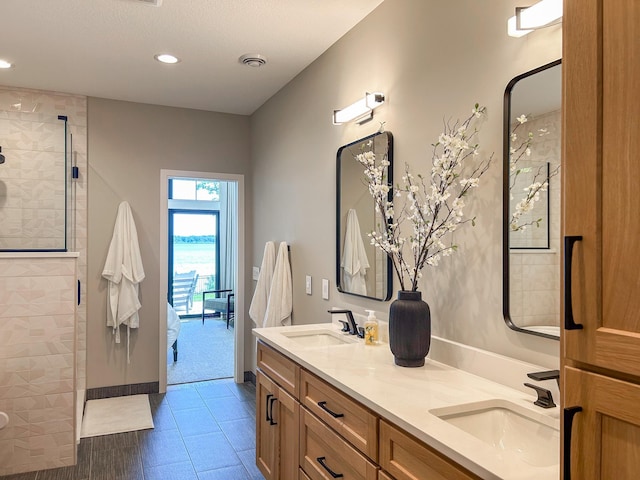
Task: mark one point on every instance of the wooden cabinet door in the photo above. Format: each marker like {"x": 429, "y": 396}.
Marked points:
{"x": 605, "y": 435}
{"x": 601, "y": 171}
{"x": 277, "y": 419}
{"x": 266, "y": 428}
{"x": 287, "y": 418}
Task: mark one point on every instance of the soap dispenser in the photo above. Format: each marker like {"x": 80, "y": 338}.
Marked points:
{"x": 371, "y": 329}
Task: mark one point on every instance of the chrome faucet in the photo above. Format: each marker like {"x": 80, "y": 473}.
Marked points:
{"x": 352, "y": 326}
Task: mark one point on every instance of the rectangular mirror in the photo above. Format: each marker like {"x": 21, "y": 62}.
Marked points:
{"x": 361, "y": 269}
{"x": 531, "y": 201}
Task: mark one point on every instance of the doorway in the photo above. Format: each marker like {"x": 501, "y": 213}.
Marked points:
{"x": 203, "y": 247}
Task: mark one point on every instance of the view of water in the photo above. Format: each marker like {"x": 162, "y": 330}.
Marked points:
{"x": 200, "y": 257}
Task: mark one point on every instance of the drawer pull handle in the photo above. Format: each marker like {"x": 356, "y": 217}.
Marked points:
{"x": 569, "y": 323}
{"x": 271, "y": 402}
{"x": 569, "y": 413}
{"x": 321, "y": 461}
{"x": 323, "y": 405}
{"x": 266, "y": 408}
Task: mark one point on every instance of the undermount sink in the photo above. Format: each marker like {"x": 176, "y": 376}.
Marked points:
{"x": 507, "y": 427}
{"x": 318, "y": 338}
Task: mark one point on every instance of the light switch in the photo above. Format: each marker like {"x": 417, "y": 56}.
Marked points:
{"x": 308, "y": 284}
{"x": 325, "y": 289}
{"x": 256, "y": 273}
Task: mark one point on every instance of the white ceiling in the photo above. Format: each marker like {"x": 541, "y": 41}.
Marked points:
{"x": 105, "y": 48}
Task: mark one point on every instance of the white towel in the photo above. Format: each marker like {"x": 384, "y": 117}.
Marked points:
{"x": 280, "y": 296}
{"x": 260, "y": 298}
{"x": 354, "y": 257}
{"x": 124, "y": 272}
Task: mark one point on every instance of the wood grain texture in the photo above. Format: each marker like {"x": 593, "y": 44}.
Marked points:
{"x": 357, "y": 424}
{"x": 318, "y": 441}
{"x": 408, "y": 459}
{"x": 266, "y": 434}
{"x": 288, "y": 418}
{"x": 606, "y": 434}
{"x": 281, "y": 369}
{"x": 581, "y": 165}
{"x": 621, "y": 156}
{"x": 383, "y": 476}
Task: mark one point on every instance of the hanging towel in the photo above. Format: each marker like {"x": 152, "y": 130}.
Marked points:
{"x": 279, "y": 306}
{"x": 354, "y": 257}
{"x": 124, "y": 272}
{"x": 260, "y": 298}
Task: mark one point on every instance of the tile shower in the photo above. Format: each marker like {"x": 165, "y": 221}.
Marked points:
{"x": 43, "y": 344}
{"x": 535, "y": 272}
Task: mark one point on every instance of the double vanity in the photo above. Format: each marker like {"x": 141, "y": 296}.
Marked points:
{"x": 330, "y": 407}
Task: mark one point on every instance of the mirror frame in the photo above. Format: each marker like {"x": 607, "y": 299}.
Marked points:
{"x": 389, "y": 275}
{"x": 506, "y": 131}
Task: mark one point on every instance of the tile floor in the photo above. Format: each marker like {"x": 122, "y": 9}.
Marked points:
{"x": 203, "y": 431}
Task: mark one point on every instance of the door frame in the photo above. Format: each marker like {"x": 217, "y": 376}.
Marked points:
{"x": 239, "y": 322}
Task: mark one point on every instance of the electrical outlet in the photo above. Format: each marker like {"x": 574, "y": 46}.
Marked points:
{"x": 308, "y": 284}
{"x": 325, "y": 289}
{"x": 256, "y": 273}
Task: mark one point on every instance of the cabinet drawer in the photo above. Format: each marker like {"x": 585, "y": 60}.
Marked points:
{"x": 408, "y": 459}
{"x": 347, "y": 417}
{"x": 302, "y": 475}
{"x": 283, "y": 371}
{"x": 322, "y": 451}
{"x": 383, "y": 476}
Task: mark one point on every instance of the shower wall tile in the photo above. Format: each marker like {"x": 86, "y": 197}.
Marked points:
{"x": 37, "y": 362}
{"x": 38, "y": 385}
{"x": 535, "y": 275}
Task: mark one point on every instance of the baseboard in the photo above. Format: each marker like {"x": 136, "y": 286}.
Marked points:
{"x": 123, "y": 390}
{"x": 250, "y": 377}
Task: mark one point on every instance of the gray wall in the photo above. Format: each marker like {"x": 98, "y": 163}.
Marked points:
{"x": 128, "y": 145}
{"x": 434, "y": 60}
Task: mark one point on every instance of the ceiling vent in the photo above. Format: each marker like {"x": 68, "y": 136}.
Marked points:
{"x": 153, "y": 3}
{"x": 253, "y": 60}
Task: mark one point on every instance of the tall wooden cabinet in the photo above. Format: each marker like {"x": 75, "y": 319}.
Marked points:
{"x": 601, "y": 225}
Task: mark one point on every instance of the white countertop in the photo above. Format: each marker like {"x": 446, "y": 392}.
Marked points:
{"x": 405, "y": 396}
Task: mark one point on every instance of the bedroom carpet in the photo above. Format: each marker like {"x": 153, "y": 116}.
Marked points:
{"x": 205, "y": 352}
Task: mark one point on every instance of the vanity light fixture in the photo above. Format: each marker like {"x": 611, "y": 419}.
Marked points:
{"x": 527, "y": 19}
{"x": 5, "y": 64}
{"x": 360, "y": 111}
{"x": 166, "y": 58}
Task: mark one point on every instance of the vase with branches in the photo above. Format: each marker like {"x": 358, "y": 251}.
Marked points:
{"x": 416, "y": 221}
{"x": 537, "y": 177}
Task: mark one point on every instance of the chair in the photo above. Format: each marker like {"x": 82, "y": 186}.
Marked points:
{"x": 223, "y": 303}
{"x": 184, "y": 286}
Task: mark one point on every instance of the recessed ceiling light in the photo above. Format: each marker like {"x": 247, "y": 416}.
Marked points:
{"x": 253, "y": 60}
{"x": 166, "y": 58}
{"x": 5, "y": 64}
